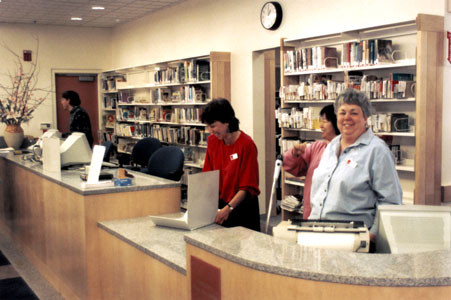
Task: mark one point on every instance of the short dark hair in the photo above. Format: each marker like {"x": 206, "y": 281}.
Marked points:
{"x": 221, "y": 110}
{"x": 329, "y": 112}
{"x": 74, "y": 99}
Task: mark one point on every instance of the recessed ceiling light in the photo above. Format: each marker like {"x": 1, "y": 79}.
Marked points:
{"x": 98, "y": 8}
{"x": 76, "y": 19}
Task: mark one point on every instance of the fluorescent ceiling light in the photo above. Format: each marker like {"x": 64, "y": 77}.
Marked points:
{"x": 96, "y": 7}
{"x": 76, "y": 19}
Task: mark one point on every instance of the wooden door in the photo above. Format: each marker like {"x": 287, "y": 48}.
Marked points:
{"x": 86, "y": 87}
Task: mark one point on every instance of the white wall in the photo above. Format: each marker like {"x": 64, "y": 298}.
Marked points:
{"x": 196, "y": 27}
{"x": 60, "y": 48}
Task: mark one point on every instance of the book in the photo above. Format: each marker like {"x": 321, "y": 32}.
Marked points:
{"x": 384, "y": 51}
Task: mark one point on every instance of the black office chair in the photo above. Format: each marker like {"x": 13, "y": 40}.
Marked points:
{"x": 167, "y": 162}
{"x": 109, "y": 150}
{"x": 142, "y": 151}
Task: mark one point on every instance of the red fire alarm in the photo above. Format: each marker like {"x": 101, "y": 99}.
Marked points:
{"x": 27, "y": 55}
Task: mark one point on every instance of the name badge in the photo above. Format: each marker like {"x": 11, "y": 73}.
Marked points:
{"x": 234, "y": 156}
{"x": 351, "y": 163}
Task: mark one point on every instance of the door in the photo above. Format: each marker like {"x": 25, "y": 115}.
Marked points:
{"x": 86, "y": 87}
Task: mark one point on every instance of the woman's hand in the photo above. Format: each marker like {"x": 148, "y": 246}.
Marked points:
{"x": 223, "y": 215}
{"x": 299, "y": 149}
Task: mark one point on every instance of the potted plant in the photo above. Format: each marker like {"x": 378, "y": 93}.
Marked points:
{"x": 18, "y": 98}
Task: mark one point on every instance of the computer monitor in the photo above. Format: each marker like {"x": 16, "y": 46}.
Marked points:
{"x": 48, "y": 134}
{"x": 75, "y": 150}
{"x": 413, "y": 228}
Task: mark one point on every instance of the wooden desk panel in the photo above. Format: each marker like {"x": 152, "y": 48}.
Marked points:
{"x": 56, "y": 228}
{"x": 240, "y": 282}
{"x": 128, "y": 273}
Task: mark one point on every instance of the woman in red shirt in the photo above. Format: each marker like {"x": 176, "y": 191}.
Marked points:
{"x": 234, "y": 154}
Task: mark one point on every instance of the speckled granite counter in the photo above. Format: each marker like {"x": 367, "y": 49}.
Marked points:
{"x": 164, "y": 244}
{"x": 71, "y": 178}
{"x": 265, "y": 253}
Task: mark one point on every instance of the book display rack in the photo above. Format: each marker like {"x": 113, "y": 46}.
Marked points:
{"x": 164, "y": 100}
{"x": 397, "y": 69}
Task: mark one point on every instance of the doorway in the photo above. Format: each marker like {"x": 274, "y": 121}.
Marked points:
{"x": 86, "y": 87}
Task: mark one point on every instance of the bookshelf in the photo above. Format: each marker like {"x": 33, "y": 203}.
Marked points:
{"x": 165, "y": 100}
{"x": 404, "y": 86}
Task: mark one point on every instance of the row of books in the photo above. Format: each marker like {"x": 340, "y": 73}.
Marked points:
{"x": 390, "y": 122}
{"x": 187, "y": 71}
{"x": 286, "y": 144}
{"x": 106, "y": 136}
{"x": 302, "y": 59}
{"x": 181, "y": 135}
{"x": 367, "y": 52}
{"x": 299, "y": 118}
{"x": 353, "y": 54}
{"x": 109, "y": 120}
{"x": 194, "y": 155}
{"x": 109, "y": 101}
{"x": 398, "y": 85}
{"x": 316, "y": 91}
{"x": 109, "y": 83}
{"x": 180, "y": 94}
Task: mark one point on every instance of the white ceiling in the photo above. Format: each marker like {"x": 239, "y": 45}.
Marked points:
{"x": 59, "y": 12}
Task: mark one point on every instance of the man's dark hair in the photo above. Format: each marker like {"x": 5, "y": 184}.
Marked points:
{"x": 219, "y": 109}
{"x": 74, "y": 99}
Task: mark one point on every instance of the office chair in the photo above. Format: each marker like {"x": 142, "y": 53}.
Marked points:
{"x": 142, "y": 151}
{"x": 167, "y": 162}
{"x": 109, "y": 150}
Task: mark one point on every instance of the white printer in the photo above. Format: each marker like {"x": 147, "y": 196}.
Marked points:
{"x": 342, "y": 235}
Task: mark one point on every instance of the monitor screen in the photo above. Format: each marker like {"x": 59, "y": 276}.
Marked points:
{"x": 75, "y": 150}
{"x": 413, "y": 228}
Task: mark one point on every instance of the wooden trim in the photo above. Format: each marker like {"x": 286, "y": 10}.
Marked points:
{"x": 220, "y": 75}
{"x": 270, "y": 122}
{"x": 446, "y": 194}
{"x": 430, "y": 23}
{"x": 429, "y": 104}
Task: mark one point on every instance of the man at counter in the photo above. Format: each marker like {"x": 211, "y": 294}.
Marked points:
{"x": 357, "y": 171}
{"x": 79, "y": 118}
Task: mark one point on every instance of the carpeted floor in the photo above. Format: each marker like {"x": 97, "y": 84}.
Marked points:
{"x": 12, "y": 286}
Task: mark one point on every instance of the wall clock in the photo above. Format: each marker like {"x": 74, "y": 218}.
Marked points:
{"x": 271, "y": 15}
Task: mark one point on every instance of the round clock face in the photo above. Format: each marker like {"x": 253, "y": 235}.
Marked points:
{"x": 271, "y": 15}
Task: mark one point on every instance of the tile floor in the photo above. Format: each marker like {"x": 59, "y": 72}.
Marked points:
{"x": 18, "y": 277}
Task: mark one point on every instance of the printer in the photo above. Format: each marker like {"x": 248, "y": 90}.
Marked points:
{"x": 352, "y": 236}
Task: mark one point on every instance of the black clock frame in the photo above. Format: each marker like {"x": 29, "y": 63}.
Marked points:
{"x": 279, "y": 15}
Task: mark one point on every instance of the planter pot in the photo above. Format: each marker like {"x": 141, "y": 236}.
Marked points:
{"x": 13, "y": 136}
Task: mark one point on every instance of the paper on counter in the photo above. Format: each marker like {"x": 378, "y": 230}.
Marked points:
{"x": 338, "y": 241}
{"x": 96, "y": 164}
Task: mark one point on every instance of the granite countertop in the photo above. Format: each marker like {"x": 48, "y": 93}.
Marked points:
{"x": 164, "y": 244}
{"x": 265, "y": 253}
{"x": 71, "y": 178}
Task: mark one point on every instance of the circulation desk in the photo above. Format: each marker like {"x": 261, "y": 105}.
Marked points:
{"x": 54, "y": 221}
{"x": 237, "y": 263}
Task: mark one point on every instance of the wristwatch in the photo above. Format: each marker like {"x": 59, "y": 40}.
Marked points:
{"x": 230, "y": 206}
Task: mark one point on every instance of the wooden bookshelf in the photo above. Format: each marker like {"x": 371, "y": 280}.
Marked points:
{"x": 419, "y": 45}
{"x": 165, "y": 100}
